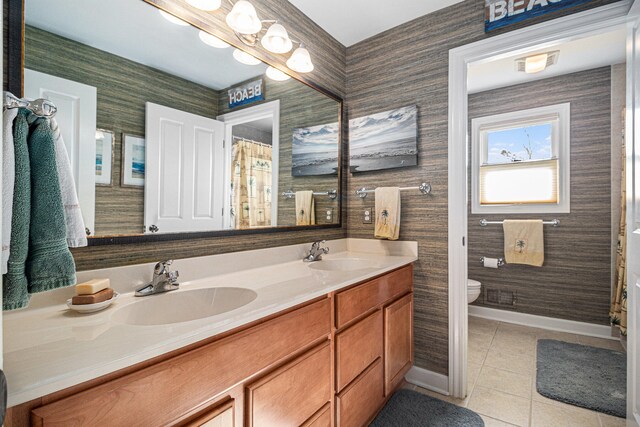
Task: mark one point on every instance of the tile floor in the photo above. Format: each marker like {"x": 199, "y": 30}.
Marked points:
{"x": 501, "y": 378}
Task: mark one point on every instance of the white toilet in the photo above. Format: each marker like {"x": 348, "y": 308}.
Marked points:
{"x": 473, "y": 290}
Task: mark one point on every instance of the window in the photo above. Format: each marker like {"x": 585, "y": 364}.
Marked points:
{"x": 520, "y": 161}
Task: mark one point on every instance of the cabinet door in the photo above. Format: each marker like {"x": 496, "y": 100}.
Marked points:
{"x": 292, "y": 394}
{"x": 398, "y": 351}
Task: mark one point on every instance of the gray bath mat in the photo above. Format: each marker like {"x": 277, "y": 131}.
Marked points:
{"x": 585, "y": 376}
{"x": 408, "y": 408}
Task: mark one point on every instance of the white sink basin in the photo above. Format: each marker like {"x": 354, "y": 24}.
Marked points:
{"x": 344, "y": 264}
{"x": 183, "y": 306}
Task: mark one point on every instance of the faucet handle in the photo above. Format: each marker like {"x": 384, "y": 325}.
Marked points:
{"x": 317, "y": 243}
{"x": 162, "y": 266}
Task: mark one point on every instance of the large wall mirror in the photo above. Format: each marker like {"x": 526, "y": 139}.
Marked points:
{"x": 170, "y": 132}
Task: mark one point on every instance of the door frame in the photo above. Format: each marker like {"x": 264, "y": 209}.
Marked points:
{"x": 262, "y": 111}
{"x": 546, "y": 34}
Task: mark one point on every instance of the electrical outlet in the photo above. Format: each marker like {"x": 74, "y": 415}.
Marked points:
{"x": 329, "y": 215}
{"x": 367, "y": 215}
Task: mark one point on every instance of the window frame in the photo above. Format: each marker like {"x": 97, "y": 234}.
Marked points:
{"x": 560, "y": 115}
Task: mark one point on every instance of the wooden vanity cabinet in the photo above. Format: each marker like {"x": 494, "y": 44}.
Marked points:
{"x": 331, "y": 362}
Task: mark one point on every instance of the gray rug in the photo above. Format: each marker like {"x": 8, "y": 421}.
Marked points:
{"x": 585, "y": 376}
{"x": 408, "y": 408}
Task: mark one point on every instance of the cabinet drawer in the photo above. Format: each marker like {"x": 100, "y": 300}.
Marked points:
{"x": 321, "y": 419}
{"x": 221, "y": 416}
{"x": 359, "y": 402}
{"x": 398, "y": 332}
{"x": 292, "y": 394}
{"x": 357, "y": 347}
{"x": 358, "y": 300}
{"x": 167, "y": 391}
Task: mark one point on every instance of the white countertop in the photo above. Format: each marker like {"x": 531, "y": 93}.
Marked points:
{"x": 49, "y": 348}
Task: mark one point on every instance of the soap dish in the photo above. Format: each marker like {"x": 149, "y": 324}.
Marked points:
{"x": 92, "y": 308}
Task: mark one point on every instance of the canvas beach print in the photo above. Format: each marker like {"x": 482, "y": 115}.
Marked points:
{"x": 104, "y": 155}
{"x": 315, "y": 150}
{"x": 384, "y": 140}
{"x": 133, "y": 161}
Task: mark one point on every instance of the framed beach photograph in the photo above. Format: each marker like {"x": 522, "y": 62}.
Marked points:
{"x": 104, "y": 156}
{"x": 384, "y": 140}
{"x": 315, "y": 150}
{"x": 133, "y": 161}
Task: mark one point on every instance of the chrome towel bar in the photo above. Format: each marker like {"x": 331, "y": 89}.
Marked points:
{"x": 484, "y": 222}
{"x": 332, "y": 194}
{"x": 424, "y": 188}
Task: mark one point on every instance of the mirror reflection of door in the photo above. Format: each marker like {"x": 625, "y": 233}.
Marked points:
{"x": 252, "y": 159}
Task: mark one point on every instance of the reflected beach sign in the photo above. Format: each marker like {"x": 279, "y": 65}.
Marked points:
{"x": 246, "y": 93}
{"x": 501, "y": 13}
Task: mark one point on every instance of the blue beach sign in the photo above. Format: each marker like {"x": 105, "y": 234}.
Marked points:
{"x": 500, "y": 13}
{"x": 246, "y": 93}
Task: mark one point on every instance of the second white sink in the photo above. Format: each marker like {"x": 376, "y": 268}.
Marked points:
{"x": 183, "y": 306}
{"x": 344, "y": 264}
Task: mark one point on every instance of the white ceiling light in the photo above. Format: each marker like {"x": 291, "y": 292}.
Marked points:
{"x": 206, "y": 5}
{"x": 538, "y": 62}
{"x": 300, "y": 60}
{"x": 169, "y": 17}
{"x": 245, "y": 58}
{"x": 212, "y": 40}
{"x": 277, "y": 75}
{"x": 277, "y": 39}
{"x": 243, "y": 18}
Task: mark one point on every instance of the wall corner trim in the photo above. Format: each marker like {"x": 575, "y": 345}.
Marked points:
{"x": 550, "y": 323}
{"x": 428, "y": 379}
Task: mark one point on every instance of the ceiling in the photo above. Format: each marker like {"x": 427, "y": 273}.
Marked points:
{"x": 578, "y": 55}
{"x": 351, "y": 21}
{"x": 136, "y": 31}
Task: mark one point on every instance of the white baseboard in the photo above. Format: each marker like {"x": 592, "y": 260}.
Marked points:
{"x": 562, "y": 325}
{"x": 428, "y": 379}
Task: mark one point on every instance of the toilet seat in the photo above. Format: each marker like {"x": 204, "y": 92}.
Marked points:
{"x": 473, "y": 284}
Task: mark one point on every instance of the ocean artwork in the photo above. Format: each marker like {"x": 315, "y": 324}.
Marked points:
{"x": 133, "y": 161}
{"x": 137, "y": 161}
{"x": 104, "y": 153}
{"x": 315, "y": 150}
{"x": 384, "y": 140}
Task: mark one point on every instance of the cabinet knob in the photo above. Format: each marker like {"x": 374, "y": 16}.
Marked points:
{"x": 153, "y": 228}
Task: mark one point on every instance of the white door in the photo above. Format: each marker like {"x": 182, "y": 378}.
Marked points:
{"x": 633, "y": 218}
{"x": 184, "y": 175}
{"x": 76, "y": 117}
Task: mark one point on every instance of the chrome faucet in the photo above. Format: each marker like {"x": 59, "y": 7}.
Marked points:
{"x": 164, "y": 280}
{"x": 316, "y": 252}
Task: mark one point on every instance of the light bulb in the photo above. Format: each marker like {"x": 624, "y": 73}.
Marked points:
{"x": 277, "y": 39}
{"x": 212, "y": 40}
{"x": 243, "y": 18}
{"x": 174, "y": 20}
{"x": 277, "y": 75}
{"x": 535, "y": 63}
{"x": 206, "y": 5}
{"x": 245, "y": 58}
{"x": 300, "y": 60}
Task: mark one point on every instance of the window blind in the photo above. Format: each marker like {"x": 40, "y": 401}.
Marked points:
{"x": 532, "y": 182}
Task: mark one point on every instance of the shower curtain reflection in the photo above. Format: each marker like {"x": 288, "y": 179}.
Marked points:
{"x": 251, "y": 184}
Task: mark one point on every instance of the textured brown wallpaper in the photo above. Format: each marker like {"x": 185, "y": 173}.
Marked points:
{"x": 575, "y": 281}
{"x": 408, "y": 65}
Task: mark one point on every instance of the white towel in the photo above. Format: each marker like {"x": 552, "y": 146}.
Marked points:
{"x": 76, "y": 233}
{"x": 8, "y": 181}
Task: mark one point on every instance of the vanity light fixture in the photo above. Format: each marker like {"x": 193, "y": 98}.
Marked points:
{"x": 277, "y": 39}
{"x": 174, "y": 20}
{"x": 212, "y": 40}
{"x": 245, "y": 58}
{"x": 243, "y": 18}
{"x": 206, "y": 5}
{"x": 300, "y": 60}
{"x": 277, "y": 75}
{"x": 536, "y": 63}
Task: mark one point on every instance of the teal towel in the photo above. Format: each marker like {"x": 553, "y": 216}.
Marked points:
{"x": 14, "y": 284}
{"x": 42, "y": 259}
{"x": 50, "y": 264}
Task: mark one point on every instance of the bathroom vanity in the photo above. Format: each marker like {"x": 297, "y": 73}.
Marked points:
{"x": 331, "y": 353}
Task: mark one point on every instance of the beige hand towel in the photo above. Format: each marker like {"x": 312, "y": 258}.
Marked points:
{"x": 305, "y": 209}
{"x": 523, "y": 242}
{"x": 387, "y": 213}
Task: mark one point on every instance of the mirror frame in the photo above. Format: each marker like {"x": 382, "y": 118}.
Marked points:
{"x": 14, "y": 83}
